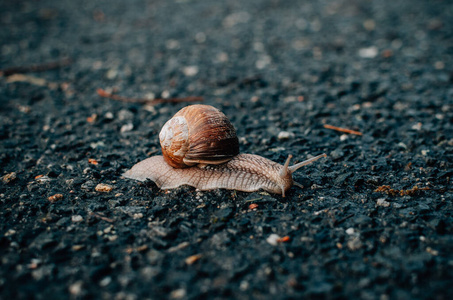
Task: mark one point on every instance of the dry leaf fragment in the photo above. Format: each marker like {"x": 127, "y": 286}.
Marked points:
{"x": 192, "y": 259}
{"x": 9, "y": 177}
{"x": 253, "y": 206}
{"x": 26, "y": 78}
{"x": 341, "y": 129}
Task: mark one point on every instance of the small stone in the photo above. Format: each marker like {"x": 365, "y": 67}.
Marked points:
{"x": 402, "y": 145}
{"x": 138, "y": 216}
{"x": 263, "y": 61}
{"x": 109, "y": 115}
{"x": 76, "y": 288}
{"x": 355, "y": 243}
{"x": 105, "y": 281}
{"x": 190, "y": 71}
{"x": 290, "y": 99}
{"x": 344, "y": 137}
{"x": 127, "y": 127}
{"x": 77, "y": 247}
{"x": 425, "y": 152}
{"x": 104, "y": 188}
{"x": 222, "y": 57}
{"x": 111, "y": 74}
{"x": 350, "y": 231}
{"x": 97, "y": 144}
{"x": 432, "y": 251}
{"x": 125, "y": 114}
{"x": 285, "y": 135}
{"x": 382, "y": 202}
{"x": 10, "y": 232}
{"x": 178, "y": 294}
{"x": 273, "y": 239}
{"x": 165, "y": 94}
{"x": 370, "y": 52}
{"x": 397, "y": 205}
{"x": 306, "y": 239}
{"x": 112, "y": 238}
{"x": 369, "y": 25}
{"x": 77, "y": 218}
{"x": 417, "y": 126}
{"x": 439, "y": 65}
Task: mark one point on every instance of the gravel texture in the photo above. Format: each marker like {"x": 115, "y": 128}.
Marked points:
{"x": 374, "y": 220}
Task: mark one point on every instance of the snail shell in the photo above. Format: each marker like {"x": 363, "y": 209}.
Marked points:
{"x": 198, "y": 134}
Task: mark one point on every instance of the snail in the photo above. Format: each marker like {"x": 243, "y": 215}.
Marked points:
{"x": 200, "y": 149}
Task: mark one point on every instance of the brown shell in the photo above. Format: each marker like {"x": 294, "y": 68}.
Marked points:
{"x": 198, "y": 134}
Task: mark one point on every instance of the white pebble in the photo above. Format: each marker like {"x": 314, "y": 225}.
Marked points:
{"x": 350, "y": 231}
{"x": 382, "y": 202}
{"x": 273, "y": 239}
{"x": 190, "y": 71}
{"x": 105, "y": 281}
{"x": 285, "y": 135}
{"x": 112, "y": 73}
{"x": 108, "y": 115}
{"x": 370, "y": 52}
{"x": 138, "y": 216}
{"x": 76, "y": 288}
{"x": 344, "y": 137}
{"x": 77, "y": 218}
{"x": 127, "y": 127}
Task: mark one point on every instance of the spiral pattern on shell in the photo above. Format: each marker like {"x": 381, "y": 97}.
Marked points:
{"x": 198, "y": 134}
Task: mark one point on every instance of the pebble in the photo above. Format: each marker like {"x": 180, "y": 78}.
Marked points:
{"x": 344, "y": 137}
{"x": 285, "y": 135}
{"x": 273, "y": 239}
{"x": 137, "y": 216}
{"x": 109, "y": 115}
{"x": 178, "y": 294}
{"x": 354, "y": 243}
{"x": 382, "y": 202}
{"x": 111, "y": 74}
{"x": 10, "y": 232}
{"x": 127, "y": 127}
{"x": 77, "y": 218}
{"x": 125, "y": 114}
{"x": 370, "y": 52}
{"x": 105, "y": 281}
{"x": 104, "y": 188}
{"x": 190, "y": 71}
{"x": 350, "y": 231}
{"x": 76, "y": 288}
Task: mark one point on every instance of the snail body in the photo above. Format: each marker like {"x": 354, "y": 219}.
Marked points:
{"x": 245, "y": 172}
{"x": 207, "y": 167}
